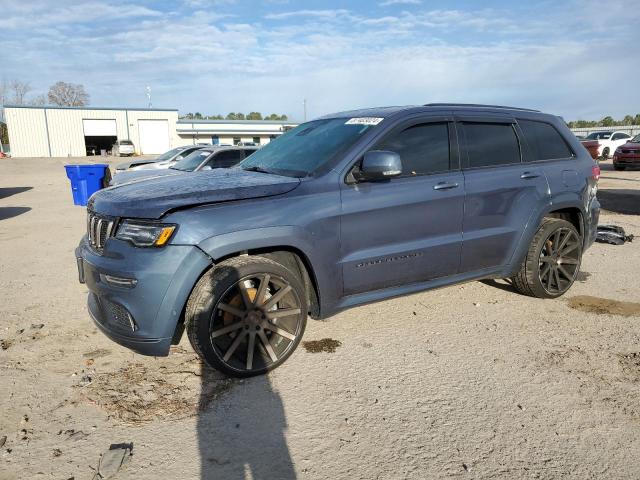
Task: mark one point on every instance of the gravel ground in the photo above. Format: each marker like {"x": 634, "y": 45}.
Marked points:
{"x": 470, "y": 381}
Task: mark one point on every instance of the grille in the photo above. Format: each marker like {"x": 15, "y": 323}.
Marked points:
{"x": 629, "y": 151}
{"x": 99, "y": 228}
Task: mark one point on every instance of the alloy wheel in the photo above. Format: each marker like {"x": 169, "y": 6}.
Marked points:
{"x": 559, "y": 261}
{"x": 256, "y": 323}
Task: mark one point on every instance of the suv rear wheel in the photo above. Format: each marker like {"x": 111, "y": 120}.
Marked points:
{"x": 552, "y": 262}
{"x": 246, "y": 315}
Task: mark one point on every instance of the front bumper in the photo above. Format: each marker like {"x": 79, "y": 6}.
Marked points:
{"x": 627, "y": 160}
{"x": 137, "y": 295}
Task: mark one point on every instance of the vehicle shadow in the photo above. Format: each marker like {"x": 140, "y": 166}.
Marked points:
{"x": 9, "y": 212}
{"x": 502, "y": 284}
{"x": 625, "y": 201}
{"x": 7, "y": 192}
{"x": 242, "y": 435}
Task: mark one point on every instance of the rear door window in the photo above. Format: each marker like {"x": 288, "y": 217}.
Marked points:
{"x": 490, "y": 144}
{"x": 423, "y": 148}
{"x": 544, "y": 141}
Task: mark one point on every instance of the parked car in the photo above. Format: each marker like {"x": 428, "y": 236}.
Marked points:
{"x": 202, "y": 158}
{"x": 592, "y": 147}
{"x": 627, "y": 155}
{"x": 123, "y": 147}
{"x": 608, "y": 141}
{"x": 348, "y": 209}
{"x": 169, "y": 157}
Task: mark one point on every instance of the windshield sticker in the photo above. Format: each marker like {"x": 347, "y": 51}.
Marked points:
{"x": 364, "y": 121}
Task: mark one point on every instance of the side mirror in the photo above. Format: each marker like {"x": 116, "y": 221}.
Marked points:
{"x": 378, "y": 165}
{"x": 179, "y": 157}
{"x": 207, "y": 167}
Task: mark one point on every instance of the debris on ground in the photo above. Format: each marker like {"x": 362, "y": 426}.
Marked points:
{"x": 327, "y": 345}
{"x": 114, "y": 459}
{"x": 3, "y": 440}
{"x": 37, "y": 326}
{"x": 5, "y": 344}
{"x": 613, "y": 235}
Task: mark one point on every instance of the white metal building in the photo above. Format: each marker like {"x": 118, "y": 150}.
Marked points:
{"x": 71, "y": 131}
{"x": 79, "y": 131}
{"x": 231, "y": 132}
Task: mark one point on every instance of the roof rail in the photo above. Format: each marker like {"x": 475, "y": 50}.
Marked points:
{"x": 478, "y": 105}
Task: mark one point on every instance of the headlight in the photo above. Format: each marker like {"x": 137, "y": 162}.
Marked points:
{"x": 145, "y": 234}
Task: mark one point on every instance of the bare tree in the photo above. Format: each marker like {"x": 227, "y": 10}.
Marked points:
{"x": 38, "y": 101}
{"x": 18, "y": 91}
{"x": 68, "y": 95}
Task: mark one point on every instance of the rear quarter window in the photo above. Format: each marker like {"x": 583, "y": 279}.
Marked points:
{"x": 544, "y": 141}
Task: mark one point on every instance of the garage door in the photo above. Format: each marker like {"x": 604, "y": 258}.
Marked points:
{"x": 154, "y": 136}
{"x": 99, "y": 128}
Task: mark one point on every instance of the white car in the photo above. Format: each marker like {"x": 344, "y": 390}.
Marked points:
{"x": 608, "y": 141}
{"x": 122, "y": 147}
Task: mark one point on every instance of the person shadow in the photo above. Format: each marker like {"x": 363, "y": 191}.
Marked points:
{"x": 241, "y": 431}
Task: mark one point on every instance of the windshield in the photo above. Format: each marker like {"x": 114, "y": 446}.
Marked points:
{"x": 304, "y": 149}
{"x": 126, "y": 142}
{"x": 635, "y": 139}
{"x": 191, "y": 161}
{"x": 598, "y": 135}
{"x": 169, "y": 154}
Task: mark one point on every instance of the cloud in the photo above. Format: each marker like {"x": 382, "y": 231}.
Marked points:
{"x": 325, "y": 14}
{"x": 387, "y": 3}
{"x": 220, "y": 60}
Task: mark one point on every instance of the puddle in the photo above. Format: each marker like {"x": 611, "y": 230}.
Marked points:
{"x": 604, "y": 306}
{"x": 327, "y": 345}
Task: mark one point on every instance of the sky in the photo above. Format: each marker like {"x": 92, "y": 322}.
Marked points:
{"x": 577, "y": 59}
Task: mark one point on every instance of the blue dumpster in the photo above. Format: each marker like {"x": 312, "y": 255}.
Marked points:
{"x": 85, "y": 180}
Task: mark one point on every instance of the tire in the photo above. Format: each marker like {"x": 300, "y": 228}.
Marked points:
{"x": 224, "y": 324}
{"x": 547, "y": 272}
{"x": 618, "y": 168}
{"x": 605, "y": 154}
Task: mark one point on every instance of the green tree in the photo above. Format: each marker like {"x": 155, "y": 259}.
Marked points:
{"x": 4, "y": 134}
{"x": 607, "y": 121}
{"x": 283, "y": 118}
{"x": 197, "y": 116}
{"x": 232, "y": 116}
{"x": 254, "y": 116}
{"x": 240, "y": 116}
{"x": 627, "y": 120}
{"x": 636, "y": 120}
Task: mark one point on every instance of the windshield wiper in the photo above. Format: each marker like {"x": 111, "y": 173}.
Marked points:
{"x": 256, "y": 168}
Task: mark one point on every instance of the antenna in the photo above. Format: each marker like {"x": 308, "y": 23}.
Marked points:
{"x": 304, "y": 105}
{"x": 149, "y": 95}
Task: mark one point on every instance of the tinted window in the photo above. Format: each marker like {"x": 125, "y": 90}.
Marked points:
{"x": 598, "y": 136}
{"x": 491, "y": 144}
{"x": 226, "y": 158}
{"x": 422, "y": 148}
{"x": 544, "y": 140}
{"x": 619, "y": 136}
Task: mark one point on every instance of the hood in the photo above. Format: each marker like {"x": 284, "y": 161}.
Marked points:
{"x": 135, "y": 175}
{"x": 154, "y": 197}
{"x": 630, "y": 146}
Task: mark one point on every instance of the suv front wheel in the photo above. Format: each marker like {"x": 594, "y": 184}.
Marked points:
{"x": 246, "y": 315}
{"x": 552, "y": 262}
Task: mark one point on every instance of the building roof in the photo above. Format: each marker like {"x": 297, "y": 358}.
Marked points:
{"x": 88, "y": 107}
{"x": 239, "y": 122}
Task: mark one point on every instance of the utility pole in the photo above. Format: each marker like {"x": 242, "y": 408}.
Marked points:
{"x": 149, "y": 95}
{"x": 304, "y": 104}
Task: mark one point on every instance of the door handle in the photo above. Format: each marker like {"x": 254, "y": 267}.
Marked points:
{"x": 445, "y": 186}
{"x": 527, "y": 175}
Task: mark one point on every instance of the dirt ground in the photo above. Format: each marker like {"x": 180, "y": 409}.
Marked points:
{"x": 470, "y": 381}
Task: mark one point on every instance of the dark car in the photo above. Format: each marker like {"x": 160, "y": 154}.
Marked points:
{"x": 171, "y": 156}
{"x": 627, "y": 155}
{"x": 203, "y": 158}
{"x": 348, "y": 209}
